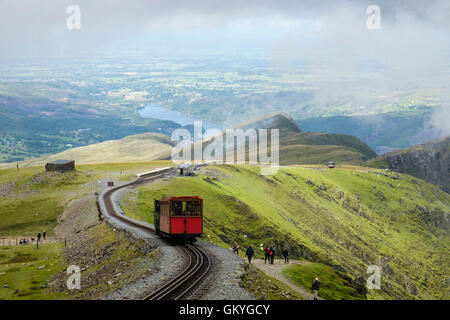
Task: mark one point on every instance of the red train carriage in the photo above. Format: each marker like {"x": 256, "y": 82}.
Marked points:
{"x": 179, "y": 217}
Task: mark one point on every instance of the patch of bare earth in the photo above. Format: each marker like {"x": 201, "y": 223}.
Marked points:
{"x": 274, "y": 271}
{"x": 7, "y": 190}
{"x": 108, "y": 259}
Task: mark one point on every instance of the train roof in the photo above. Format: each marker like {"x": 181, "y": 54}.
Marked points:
{"x": 182, "y": 198}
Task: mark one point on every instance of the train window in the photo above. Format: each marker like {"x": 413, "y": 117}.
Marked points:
{"x": 187, "y": 208}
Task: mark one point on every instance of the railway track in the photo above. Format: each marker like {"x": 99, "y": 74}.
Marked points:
{"x": 178, "y": 288}
{"x": 199, "y": 263}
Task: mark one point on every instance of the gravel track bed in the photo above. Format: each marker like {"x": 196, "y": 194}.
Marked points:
{"x": 224, "y": 280}
{"x": 171, "y": 260}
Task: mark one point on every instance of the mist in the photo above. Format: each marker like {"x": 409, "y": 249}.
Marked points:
{"x": 409, "y": 51}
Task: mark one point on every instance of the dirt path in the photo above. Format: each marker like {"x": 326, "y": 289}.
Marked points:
{"x": 274, "y": 271}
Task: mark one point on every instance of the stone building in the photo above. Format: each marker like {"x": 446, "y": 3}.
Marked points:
{"x": 60, "y": 165}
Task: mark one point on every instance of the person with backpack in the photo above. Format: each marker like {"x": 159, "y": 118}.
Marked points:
{"x": 272, "y": 254}
{"x": 249, "y": 253}
{"x": 315, "y": 287}
{"x": 286, "y": 255}
{"x": 267, "y": 254}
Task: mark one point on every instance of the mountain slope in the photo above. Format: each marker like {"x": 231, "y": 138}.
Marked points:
{"x": 382, "y": 132}
{"x": 429, "y": 161}
{"x": 135, "y": 148}
{"x": 344, "y": 219}
{"x": 299, "y": 147}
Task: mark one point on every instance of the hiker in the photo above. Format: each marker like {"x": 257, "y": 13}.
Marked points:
{"x": 20, "y": 242}
{"x": 272, "y": 254}
{"x": 315, "y": 287}
{"x": 286, "y": 255}
{"x": 44, "y": 234}
{"x": 267, "y": 254}
{"x": 38, "y": 237}
{"x": 249, "y": 253}
{"x": 236, "y": 249}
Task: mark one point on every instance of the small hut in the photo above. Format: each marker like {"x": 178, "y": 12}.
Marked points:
{"x": 186, "y": 169}
{"x": 60, "y": 165}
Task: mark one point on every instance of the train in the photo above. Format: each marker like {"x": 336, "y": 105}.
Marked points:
{"x": 179, "y": 218}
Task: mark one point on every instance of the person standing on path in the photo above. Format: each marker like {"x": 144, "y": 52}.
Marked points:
{"x": 236, "y": 249}
{"x": 249, "y": 253}
{"x": 267, "y": 254}
{"x": 315, "y": 287}
{"x": 286, "y": 255}
{"x": 272, "y": 254}
{"x": 38, "y": 237}
{"x": 44, "y": 234}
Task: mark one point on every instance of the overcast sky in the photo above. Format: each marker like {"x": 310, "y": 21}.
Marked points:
{"x": 38, "y": 27}
{"x": 412, "y": 44}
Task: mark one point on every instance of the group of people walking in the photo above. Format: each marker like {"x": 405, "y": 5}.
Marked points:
{"x": 40, "y": 237}
{"x": 269, "y": 254}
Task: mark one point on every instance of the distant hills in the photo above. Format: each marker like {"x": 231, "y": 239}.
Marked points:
{"x": 382, "y": 132}
{"x": 134, "y": 148}
{"x": 300, "y": 147}
{"x": 429, "y": 161}
{"x": 296, "y": 146}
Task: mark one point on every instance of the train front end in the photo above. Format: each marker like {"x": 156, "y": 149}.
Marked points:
{"x": 179, "y": 218}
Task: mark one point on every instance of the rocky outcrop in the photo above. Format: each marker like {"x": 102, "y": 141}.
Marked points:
{"x": 429, "y": 161}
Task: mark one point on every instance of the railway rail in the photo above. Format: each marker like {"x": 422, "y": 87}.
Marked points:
{"x": 199, "y": 263}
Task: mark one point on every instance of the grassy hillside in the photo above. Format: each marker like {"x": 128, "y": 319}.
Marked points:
{"x": 345, "y": 219}
{"x": 136, "y": 148}
{"x": 299, "y": 147}
{"x": 32, "y": 200}
{"x": 26, "y": 270}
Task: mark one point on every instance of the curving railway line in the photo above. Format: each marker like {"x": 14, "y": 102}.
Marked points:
{"x": 199, "y": 263}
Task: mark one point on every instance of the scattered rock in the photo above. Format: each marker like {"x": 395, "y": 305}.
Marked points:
{"x": 381, "y": 196}
{"x": 309, "y": 182}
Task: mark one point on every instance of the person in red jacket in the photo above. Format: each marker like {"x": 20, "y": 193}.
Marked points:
{"x": 272, "y": 254}
{"x": 267, "y": 254}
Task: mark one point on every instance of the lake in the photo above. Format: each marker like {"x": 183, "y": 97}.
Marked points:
{"x": 156, "y": 111}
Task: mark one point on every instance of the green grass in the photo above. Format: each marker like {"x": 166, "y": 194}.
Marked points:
{"x": 25, "y": 269}
{"x": 36, "y": 199}
{"x": 332, "y": 285}
{"x": 347, "y": 226}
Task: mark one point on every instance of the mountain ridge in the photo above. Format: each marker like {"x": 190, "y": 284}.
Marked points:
{"x": 428, "y": 161}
